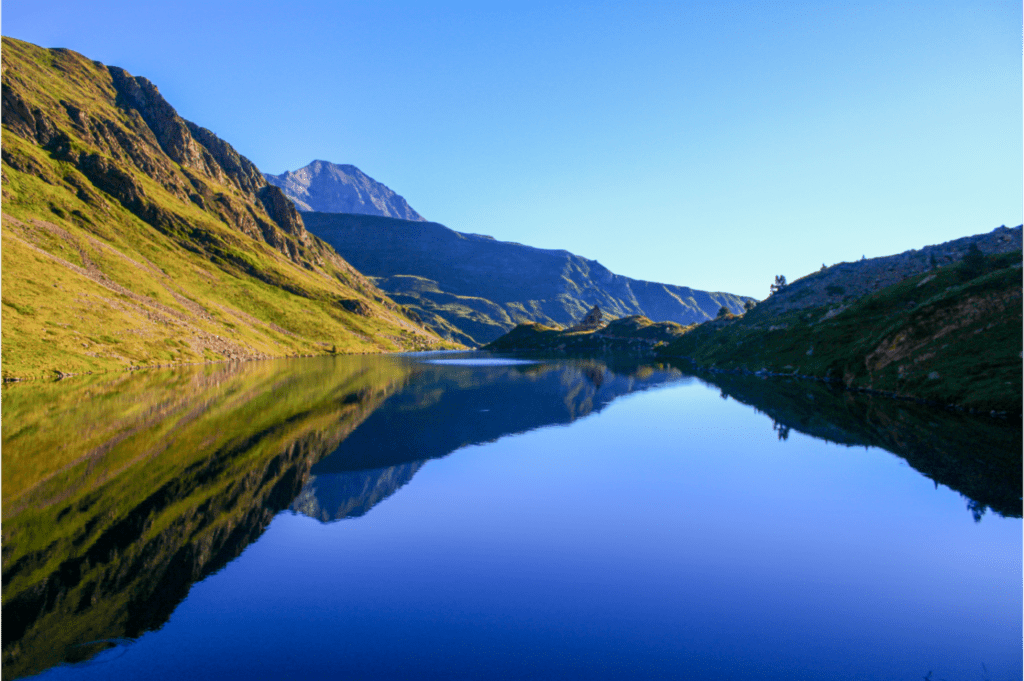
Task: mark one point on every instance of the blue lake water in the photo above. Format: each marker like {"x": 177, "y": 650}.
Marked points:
{"x": 556, "y": 520}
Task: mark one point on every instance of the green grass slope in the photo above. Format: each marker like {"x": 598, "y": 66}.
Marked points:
{"x": 473, "y": 288}
{"x": 132, "y": 237}
{"x": 951, "y": 335}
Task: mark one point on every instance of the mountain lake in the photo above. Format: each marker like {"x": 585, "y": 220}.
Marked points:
{"x": 461, "y": 516}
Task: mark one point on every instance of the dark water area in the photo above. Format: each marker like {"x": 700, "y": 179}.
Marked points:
{"x": 449, "y": 516}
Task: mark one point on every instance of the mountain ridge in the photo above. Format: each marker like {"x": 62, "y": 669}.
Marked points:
{"x": 472, "y": 288}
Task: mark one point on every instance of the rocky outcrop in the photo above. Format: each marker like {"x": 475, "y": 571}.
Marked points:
{"x": 330, "y": 188}
{"x": 202, "y": 156}
{"x": 591, "y": 321}
{"x": 281, "y": 210}
{"x": 24, "y": 119}
{"x": 633, "y": 336}
{"x": 199, "y": 150}
{"x": 241, "y": 170}
{"x": 170, "y": 130}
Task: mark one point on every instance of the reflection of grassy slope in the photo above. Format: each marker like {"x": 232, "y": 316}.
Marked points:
{"x": 115, "y": 254}
{"x": 483, "y": 287}
{"x": 118, "y": 494}
{"x": 933, "y": 336}
{"x": 977, "y": 457}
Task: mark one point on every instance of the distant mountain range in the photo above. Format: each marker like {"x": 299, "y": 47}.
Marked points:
{"x": 473, "y": 289}
{"x": 332, "y": 188}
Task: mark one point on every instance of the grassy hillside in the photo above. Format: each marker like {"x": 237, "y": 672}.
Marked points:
{"x": 948, "y": 334}
{"x": 473, "y": 288}
{"x": 132, "y": 237}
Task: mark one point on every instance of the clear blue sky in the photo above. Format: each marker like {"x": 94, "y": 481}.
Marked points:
{"x": 712, "y": 145}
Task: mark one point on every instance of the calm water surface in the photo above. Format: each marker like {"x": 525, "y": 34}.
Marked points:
{"x": 409, "y": 518}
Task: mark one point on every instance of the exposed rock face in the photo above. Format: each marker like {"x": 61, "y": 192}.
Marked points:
{"x": 198, "y": 149}
{"x": 330, "y": 188}
{"x": 240, "y": 169}
{"x": 171, "y": 131}
{"x": 591, "y": 321}
{"x": 635, "y": 336}
{"x": 281, "y": 210}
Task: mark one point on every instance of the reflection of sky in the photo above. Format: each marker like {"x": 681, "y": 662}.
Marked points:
{"x": 672, "y": 535}
{"x": 487, "y": 362}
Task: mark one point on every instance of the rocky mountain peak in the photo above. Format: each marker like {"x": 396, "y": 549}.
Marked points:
{"x": 327, "y": 187}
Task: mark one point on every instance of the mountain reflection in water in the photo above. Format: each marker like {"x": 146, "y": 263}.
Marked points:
{"x": 444, "y": 408}
{"x": 120, "y": 493}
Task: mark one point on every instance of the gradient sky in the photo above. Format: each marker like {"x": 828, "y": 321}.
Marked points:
{"x": 712, "y": 145}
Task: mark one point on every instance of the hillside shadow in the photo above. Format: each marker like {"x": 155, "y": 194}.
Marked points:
{"x": 977, "y": 456}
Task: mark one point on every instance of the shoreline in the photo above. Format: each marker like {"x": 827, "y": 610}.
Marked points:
{"x": 643, "y": 357}
{"x": 764, "y": 373}
{"x": 57, "y": 375}
{"x": 698, "y": 369}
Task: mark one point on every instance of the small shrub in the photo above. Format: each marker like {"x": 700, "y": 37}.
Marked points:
{"x": 973, "y": 263}
{"x": 780, "y": 283}
{"x": 26, "y": 310}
